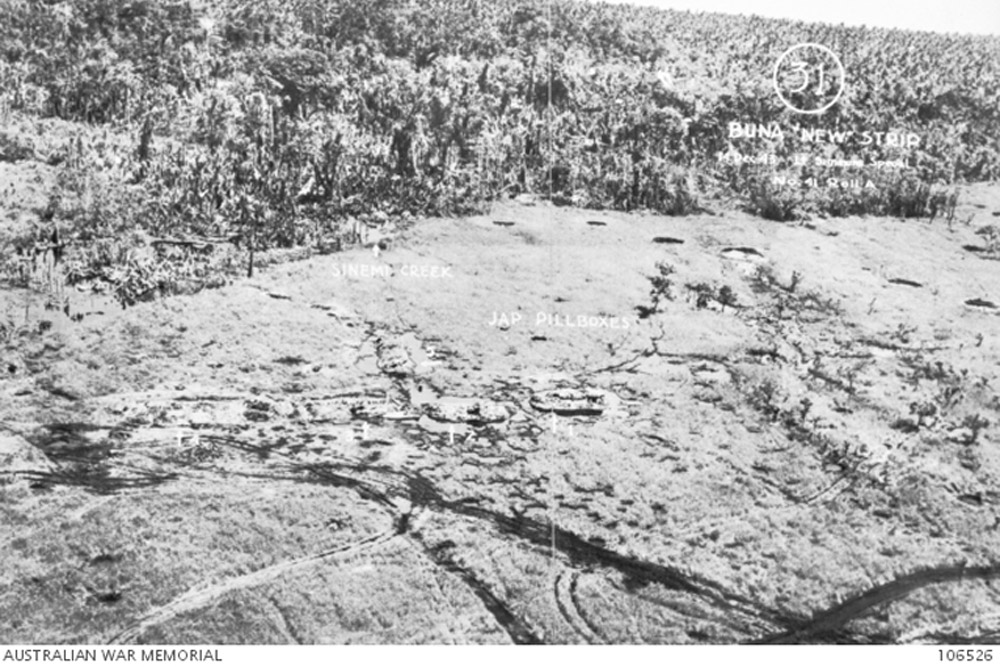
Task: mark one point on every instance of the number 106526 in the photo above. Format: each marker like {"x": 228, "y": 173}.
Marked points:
{"x": 965, "y": 655}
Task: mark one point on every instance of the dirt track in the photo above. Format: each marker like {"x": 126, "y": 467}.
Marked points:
{"x": 376, "y": 449}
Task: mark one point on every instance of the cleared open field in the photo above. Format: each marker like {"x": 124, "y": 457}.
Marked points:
{"x": 362, "y": 448}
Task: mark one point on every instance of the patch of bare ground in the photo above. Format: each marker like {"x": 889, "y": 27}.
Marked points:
{"x": 551, "y": 431}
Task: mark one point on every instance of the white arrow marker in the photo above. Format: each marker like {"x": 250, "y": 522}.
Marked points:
{"x": 552, "y": 522}
{"x": 451, "y": 434}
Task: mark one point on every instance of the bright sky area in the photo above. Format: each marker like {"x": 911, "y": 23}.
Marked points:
{"x": 963, "y": 16}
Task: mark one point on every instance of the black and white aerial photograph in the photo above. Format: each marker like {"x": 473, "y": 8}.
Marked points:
{"x": 479, "y": 322}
